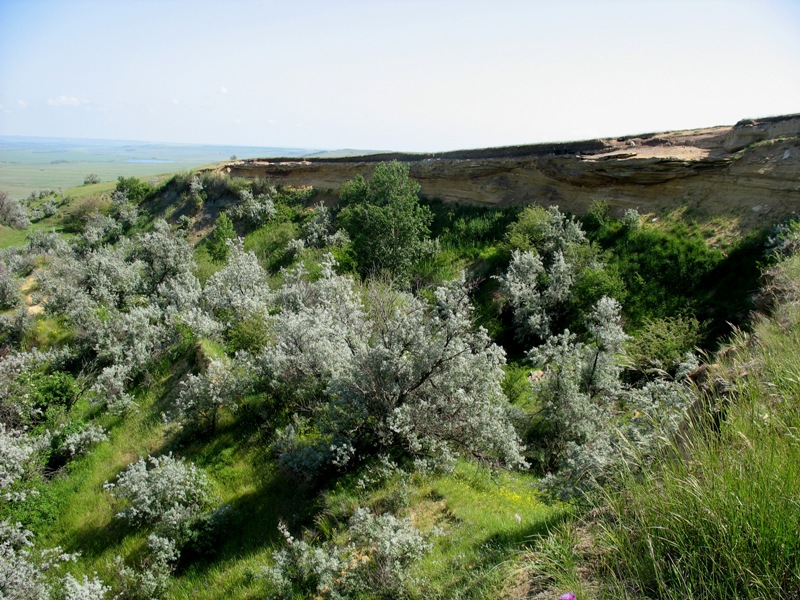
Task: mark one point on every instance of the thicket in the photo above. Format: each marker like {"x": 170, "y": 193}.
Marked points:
{"x": 335, "y": 335}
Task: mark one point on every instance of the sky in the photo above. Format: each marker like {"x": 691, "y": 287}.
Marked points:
{"x": 408, "y": 75}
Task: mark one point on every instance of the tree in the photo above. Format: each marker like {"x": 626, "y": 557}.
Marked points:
{"x": 135, "y": 189}
{"x": 239, "y": 289}
{"x": 388, "y": 226}
{"x": 391, "y": 370}
{"x": 217, "y": 244}
{"x": 221, "y": 385}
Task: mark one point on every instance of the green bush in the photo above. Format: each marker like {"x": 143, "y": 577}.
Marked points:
{"x": 135, "y": 189}
{"x": 55, "y": 389}
{"x": 388, "y": 226}
{"x": 217, "y": 243}
{"x": 662, "y": 344}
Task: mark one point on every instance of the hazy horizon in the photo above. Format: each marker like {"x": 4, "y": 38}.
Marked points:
{"x": 403, "y": 75}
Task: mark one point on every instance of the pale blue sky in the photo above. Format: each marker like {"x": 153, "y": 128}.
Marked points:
{"x": 391, "y": 74}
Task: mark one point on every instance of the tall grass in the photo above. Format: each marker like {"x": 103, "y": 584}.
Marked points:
{"x": 721, "y": 518}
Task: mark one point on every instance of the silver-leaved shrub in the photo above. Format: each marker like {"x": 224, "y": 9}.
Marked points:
{"x": 160, "y": 491}
{"x": 374, "y": 560}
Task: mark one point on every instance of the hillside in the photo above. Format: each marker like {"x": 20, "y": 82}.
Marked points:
{"x": 214, "y": 386}
{"x": 751, "y": 168}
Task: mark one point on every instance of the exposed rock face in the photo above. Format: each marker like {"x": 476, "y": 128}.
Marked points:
{"x": 752, "y": 167}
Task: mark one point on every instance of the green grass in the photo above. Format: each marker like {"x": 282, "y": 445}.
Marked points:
{"x": 720, "y": 517}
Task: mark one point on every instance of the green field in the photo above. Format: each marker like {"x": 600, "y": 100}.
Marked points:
{"x": 30, "y": 164}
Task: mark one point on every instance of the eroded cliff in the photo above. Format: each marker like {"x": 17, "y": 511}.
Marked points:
{"x": 751, "y": 169}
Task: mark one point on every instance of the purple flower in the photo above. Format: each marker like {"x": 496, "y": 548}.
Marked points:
{"x": 567, "y": 596}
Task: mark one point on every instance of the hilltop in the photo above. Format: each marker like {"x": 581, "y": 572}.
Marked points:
{"x": 752, "y": 168}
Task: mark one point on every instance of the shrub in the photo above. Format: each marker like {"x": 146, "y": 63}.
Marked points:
{"x": 389, "y": 371}
{"x": 134, "y": 189}
{"x": 150, "y": 578}
{"x": 164, "y": 254}
{"x": 217, "y": 244}
{"x": 17, "y": 451}
{"x": 76, "y": 440}
{"x": 221, "y": 385}
{"x": 254, "y": 210}
{"x": 597, "y": 424}
{"x": 375, "y": 560}
{"x": 239, "y": 289}
{"x": 320, "y": 231}
{"x": 662, "y": 344}
{"x": 54, "y": 389}
{"x": 87, "y": 589}
{"x": 162, "y": 491}
{"x": 9, "y": 288}
{"x": 385, "y": 221}
{"x": 546, "y": 230}
{"x": 23, "y": 567}
{"x": 12, "y": 213}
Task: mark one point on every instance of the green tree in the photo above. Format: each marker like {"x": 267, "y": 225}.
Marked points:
{"x": 388, "y": 226}
{"x": 134, "y": 189}
{"x": 218, "y": 241}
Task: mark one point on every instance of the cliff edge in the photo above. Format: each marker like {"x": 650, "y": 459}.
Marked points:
{"x": 751, "y": 168}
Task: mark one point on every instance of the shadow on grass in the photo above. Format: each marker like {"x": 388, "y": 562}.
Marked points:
{"x": 481, "y": 575}
{"x": 253, "y": 522}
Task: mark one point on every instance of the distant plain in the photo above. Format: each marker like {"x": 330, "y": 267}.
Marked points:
{"x": 31, "y": 164}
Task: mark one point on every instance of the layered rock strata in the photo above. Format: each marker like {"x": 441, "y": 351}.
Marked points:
{"x": 752, "y": 168}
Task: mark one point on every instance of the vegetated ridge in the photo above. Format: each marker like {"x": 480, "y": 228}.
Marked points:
{"x": 217, "y": 387}
{"x": 753, "y": 166}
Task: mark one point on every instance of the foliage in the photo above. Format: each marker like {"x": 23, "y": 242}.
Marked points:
{"x": 784, "y": 239}
{"x": 76, "y": 440}
{"x": 662, "y": 344}
{"x": 12, "y": 213}
{"x": 217, "y": 243}
{"x": 254, "y": 210}
{"x": 17, "y": 452}
{"x": 546, "y": 230}
{"x": 164, "y": 254}
{"x": 23, "y": 567}
{"x": 582, "y": 394}
{"x": 663, "y": 269}
{"x": 382, "y": 367}
{"x": 221, "y": 385}
{"x": 150, "y": 578}
{"x": 555, "y": 275}
{"x": 134, "y": 189}
{"x": 388, "y": 226}
{"x": 321, "y": 232}
{"x": 162, "y": 491}
{"x": 374, "y": 561}
{"x": 9, "y": 288}
{"x": 86, "y": 589}
{"x": 53, "y": 389}
{"x": 238, "y": 290}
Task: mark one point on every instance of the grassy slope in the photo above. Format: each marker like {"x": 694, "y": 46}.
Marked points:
{"x": 718, "y": 517}
{"x": 488, "y": 519}
{"x": 469, "y": 560}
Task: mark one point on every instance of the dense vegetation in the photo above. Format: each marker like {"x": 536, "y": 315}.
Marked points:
{"x": 386, "y": 398}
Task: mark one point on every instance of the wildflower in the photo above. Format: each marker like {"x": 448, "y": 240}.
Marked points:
{"x": 567, "y": 596}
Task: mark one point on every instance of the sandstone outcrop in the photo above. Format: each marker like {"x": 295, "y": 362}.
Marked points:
{"x": 750, "y": 169}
